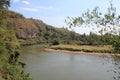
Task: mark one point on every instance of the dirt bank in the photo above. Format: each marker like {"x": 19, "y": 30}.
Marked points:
{"x": 81, "y": 52}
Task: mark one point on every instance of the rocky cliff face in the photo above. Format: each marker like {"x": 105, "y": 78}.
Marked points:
{"x": 25, "y": 28}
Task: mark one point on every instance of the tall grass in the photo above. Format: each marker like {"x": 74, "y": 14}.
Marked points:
{"x": 85, "y": 48}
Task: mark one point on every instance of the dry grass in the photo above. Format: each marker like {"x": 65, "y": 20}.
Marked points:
{"x": 85, "y": 48}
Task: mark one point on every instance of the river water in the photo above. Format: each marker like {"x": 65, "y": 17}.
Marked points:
{"x": 44, "y": 65}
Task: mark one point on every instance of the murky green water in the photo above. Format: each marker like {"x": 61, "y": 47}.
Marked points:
{"x": 61, "y": 66}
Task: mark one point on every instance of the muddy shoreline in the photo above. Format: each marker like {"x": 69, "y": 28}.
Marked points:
{"x": 81, "y": 52}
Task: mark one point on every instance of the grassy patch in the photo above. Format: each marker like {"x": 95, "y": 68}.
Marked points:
{"x": 85, "y": 48}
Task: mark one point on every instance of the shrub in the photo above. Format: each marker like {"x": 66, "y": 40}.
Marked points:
{"x": 55, "y": 42}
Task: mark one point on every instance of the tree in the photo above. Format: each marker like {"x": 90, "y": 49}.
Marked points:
{"x": 9, "y": 49}
{"x": 55, "y": 42}
{"x": 4, "y": 3}
{"x": 109, "y": 22}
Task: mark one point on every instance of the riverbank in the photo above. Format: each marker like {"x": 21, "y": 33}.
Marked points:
{"x": 47, "y": 65}
{"x": 87, "y": 50}
{"x": 80, "y": 52}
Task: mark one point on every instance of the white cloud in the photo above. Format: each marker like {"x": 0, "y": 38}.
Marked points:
{"x": 26, "y": 2}
{"x": 45, "y": 8}
{"x": 30, "y": 9}
{"x": 16, "y": 0}
{"x": 35, "y": 9}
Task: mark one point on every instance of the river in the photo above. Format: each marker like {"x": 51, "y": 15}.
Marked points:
{"x": 43, "y": 65}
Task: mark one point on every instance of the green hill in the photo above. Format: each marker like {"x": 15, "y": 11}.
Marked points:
{"x": 10, "y": 64}
{"x": 15, "y": 28}
{"x": 33, "y": 31}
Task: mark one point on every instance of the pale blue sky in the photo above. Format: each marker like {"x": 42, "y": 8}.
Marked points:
{"x": 54, "y": 12}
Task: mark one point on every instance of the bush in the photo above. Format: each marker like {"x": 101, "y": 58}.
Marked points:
{"x": 116, "y": 46}
{"x": 55, "y": 42}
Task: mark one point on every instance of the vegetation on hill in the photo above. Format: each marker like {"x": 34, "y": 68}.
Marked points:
{"x": 33, "y": 31}
{"x": 16, "y": 30}
{"x": 10, "y": 65}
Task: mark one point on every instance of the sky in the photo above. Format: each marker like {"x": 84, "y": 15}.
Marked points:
{"x": 54, "y": 12}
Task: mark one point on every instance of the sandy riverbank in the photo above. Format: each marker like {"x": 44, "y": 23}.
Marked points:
{"x": 81, "y": 52}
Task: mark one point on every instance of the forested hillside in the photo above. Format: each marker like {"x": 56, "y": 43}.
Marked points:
{"x": 10, "y": 64}
{"x": 16, "y": 30}
{"x": 33, "y": 31}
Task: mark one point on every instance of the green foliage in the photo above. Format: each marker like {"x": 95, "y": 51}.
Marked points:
{"x": 50, "y": 35}
{"x": 94, "y": 39}
{"x": 22, "y": 64}
{"x": 3, "y": 16}
{"x": 9, "y": 49}
{"x": 108, "y": 22}
{"x": 116, "y": 45}
{"x": 14, "y": 73}
{"x": 55, "y": 42}
{"x": 32, "y": 31}
{"x": 4, "y": 3}
{"x": 9, "y": 55}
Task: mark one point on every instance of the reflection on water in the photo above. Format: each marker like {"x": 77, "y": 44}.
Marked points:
{"x": 116, "y": 67}
{"x": 61, "y": 66}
